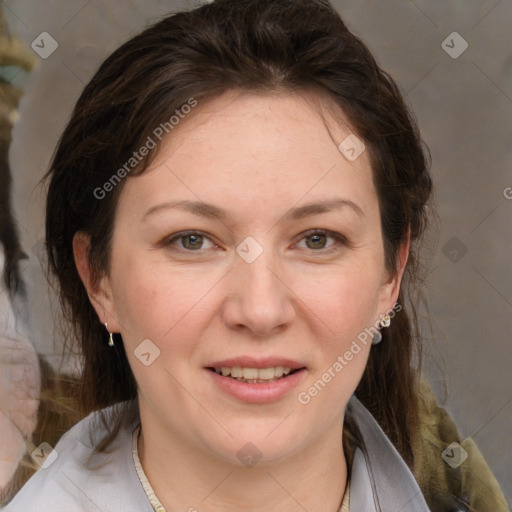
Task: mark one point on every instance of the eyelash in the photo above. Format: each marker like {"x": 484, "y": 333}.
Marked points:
{"x": 341, "y": 240}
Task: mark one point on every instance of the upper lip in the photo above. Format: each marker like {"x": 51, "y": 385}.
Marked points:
{"x": 254, "y": 362}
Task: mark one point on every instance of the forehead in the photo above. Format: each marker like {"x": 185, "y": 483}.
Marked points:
{"x": 257, "y": 151}
{"x": 268, "y": 126}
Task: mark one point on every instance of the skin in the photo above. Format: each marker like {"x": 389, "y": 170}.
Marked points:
{"x": 257, "y": 157}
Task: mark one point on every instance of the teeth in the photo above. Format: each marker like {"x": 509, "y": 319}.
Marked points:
{"x": 279, "y": 370}
{"x": 250, "y": 373}
{"x": 264, "y": 373}
{"x": 254, "y": 373}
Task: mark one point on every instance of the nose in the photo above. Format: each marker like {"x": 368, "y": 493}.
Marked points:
{"x": 259, "y": 299}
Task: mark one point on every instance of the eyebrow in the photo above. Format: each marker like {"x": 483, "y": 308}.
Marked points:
{"x": 211, "y": 211}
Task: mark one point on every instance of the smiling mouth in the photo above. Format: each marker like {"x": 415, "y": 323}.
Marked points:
{"x": 285, "y": 374}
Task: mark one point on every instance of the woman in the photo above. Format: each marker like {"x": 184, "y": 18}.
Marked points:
{"x": 233, "y": 218}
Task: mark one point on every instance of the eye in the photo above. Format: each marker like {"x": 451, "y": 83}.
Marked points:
{"x": 316, "y": 239}
{"x": 191, "y": 241}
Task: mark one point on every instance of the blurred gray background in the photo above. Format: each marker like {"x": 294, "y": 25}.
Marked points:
{"x": 462, "y": 97}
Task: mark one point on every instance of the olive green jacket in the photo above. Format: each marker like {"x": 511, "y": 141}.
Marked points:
{"x": 446, "y": 485}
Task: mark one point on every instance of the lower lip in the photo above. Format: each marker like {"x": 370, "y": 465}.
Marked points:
{"x": 257, "y": 393}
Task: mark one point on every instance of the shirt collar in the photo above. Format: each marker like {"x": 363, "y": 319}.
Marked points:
{"x": 380, "y": 479}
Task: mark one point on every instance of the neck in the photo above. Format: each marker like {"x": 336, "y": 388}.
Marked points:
{"x": 186, "y": 477}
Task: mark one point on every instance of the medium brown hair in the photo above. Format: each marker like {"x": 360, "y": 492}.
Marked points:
{"x": 249, "y": 45}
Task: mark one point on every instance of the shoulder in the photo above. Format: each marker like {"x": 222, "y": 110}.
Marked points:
{"x": 447, "y": 483}
{"x": 74, "y": 478}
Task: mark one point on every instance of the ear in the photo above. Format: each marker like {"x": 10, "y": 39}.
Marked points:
{"x": 390, "y": 288}
{"x": 98, "y": 289}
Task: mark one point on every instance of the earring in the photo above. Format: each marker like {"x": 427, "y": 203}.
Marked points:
{"x": 384, "y": 322}
{"x": 111, "y": 337}
{"x": 377, "y": 338}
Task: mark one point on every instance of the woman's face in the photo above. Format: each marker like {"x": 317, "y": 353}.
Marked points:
{"x": 251, "y": 176}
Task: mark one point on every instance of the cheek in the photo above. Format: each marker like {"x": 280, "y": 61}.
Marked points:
{"x": 153, "y": 302}
{"x": 343, "y": 298}
{"x": 342, "y": 305}
{"x": 163, "y": 309}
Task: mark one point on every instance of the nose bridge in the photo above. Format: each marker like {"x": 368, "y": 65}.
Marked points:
{"x": 260, "y": 300}
{"x": 259, "y": 281}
